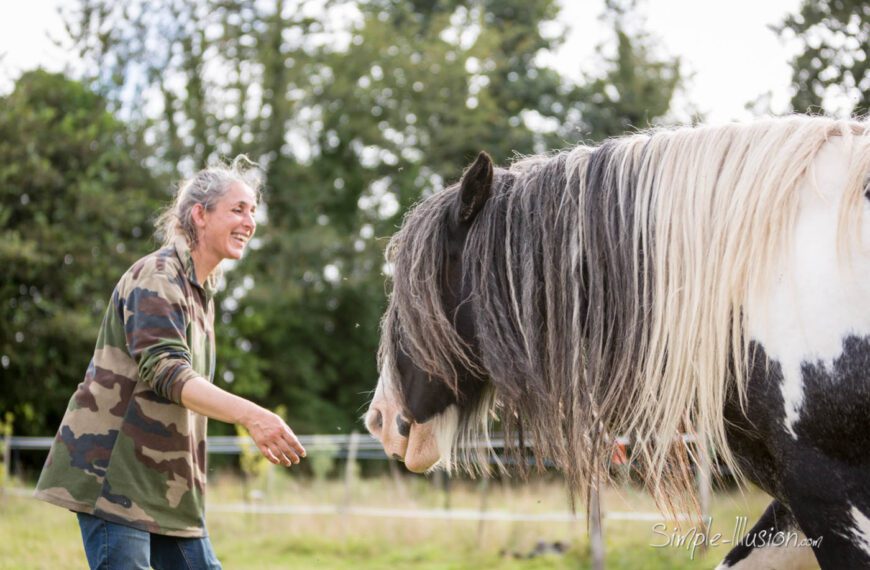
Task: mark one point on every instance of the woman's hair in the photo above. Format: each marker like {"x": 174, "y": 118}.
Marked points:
{"x": 205, "y": 187}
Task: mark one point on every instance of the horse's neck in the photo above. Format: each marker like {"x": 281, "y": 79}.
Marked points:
{"x": 819, "y": 294}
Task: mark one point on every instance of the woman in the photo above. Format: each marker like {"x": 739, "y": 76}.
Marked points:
{"x": 130, "y": 457}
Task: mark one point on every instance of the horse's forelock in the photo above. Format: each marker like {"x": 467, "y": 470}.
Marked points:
{"x": 416, "y": 320}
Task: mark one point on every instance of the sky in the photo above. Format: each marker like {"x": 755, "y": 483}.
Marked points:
{"x": 725, "y": 44}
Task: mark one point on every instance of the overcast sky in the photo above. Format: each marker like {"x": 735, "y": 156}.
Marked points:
{"x": 726, "y": 44}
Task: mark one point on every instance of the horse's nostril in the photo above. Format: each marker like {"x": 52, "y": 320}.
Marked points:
{"x": 403, "y": 425}
{"x": 375, "y": 422}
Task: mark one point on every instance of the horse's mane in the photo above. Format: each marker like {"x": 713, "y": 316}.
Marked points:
{"x": 609, "y": 286}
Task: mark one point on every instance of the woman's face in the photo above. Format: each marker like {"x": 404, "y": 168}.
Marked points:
{"x": 226, "y": 229}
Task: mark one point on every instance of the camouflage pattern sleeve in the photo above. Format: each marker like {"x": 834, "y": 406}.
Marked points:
{"x": 156, "y": 320}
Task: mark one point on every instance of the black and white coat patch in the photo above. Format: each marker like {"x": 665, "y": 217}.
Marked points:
{"x": 806, "y": 432}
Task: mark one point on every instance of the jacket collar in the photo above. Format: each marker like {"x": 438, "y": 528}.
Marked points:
{"x": 182, "y": 250}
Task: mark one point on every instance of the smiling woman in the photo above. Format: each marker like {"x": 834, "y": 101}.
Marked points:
{"x": 227, "y": 228}
{"x": 129, "y": 457}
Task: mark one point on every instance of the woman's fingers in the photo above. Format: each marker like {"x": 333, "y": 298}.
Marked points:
{"x": 283, "y": 450}
{"x": 279, "y": 455}
{"x": 268, "y": 454}
{"x": 288, "y": 453}
{"x": 294, "y": 443}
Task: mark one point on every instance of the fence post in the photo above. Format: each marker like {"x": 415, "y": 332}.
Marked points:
{"x": 349, "y": 468}
{"x": 704, "y": 486}
{"x": 441, "y": 482}
{"x": 596, "y": 532}
{"x": 396, "y": 475}
{"x": 484, "y": 496}
{"x": 5, "y": 471}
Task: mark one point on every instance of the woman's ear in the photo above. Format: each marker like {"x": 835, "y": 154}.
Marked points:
{"x": 197, "y": 213}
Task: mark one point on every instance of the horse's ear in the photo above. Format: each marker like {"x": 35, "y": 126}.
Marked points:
{"x": 475, "y": 187}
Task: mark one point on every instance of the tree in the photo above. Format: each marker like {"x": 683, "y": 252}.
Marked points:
{"x": 74, "y": 214}
{"x": 636, "y": 86}
{"x": 831, "y": 71}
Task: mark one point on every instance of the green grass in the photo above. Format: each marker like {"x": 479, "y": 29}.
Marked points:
{"x": 37, "y": 535}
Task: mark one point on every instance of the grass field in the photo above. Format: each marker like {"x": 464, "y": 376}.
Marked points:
{"x": 36, "y": 535}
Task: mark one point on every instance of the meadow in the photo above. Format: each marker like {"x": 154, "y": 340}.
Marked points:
{"x": 39, "y": 536}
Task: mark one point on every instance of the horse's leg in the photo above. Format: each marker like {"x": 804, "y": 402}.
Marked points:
{"x": 814, "y": 460}
{"x": 829, "y": 502}
{"x": 771, "y": 544}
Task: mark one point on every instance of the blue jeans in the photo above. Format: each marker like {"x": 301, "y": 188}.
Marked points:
{"x": 111, "y": 546}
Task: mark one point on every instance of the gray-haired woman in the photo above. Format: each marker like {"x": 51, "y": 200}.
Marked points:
{"x": 130, "y": 454}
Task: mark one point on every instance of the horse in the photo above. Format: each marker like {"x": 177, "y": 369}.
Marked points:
{"x": 710, "y": 280}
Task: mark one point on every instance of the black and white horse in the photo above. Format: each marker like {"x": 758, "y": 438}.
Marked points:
{"x": 711, "y": 280}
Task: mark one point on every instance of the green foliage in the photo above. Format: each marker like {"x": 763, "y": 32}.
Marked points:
{"x": 254, "y": 464}
{"x": 75, "y": 198}
{"x": 636, "y": 87}
{"x": 321, "y": 459}
{"x": 831, "y": 71}
{"x": 6, "y": 425}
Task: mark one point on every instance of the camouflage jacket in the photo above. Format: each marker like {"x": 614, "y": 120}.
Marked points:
{"x": 126, "y": 450}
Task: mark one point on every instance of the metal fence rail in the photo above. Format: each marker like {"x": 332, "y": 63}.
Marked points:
{"x": 230, "y": 444}
{"x": 226, "y": 444}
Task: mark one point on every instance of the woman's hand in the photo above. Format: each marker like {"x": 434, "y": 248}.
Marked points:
{"x": 272, "y": 435}
{"x": 274, "y": 438}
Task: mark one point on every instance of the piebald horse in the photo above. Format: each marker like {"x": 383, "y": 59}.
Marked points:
{"x": 712, "y": 280}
